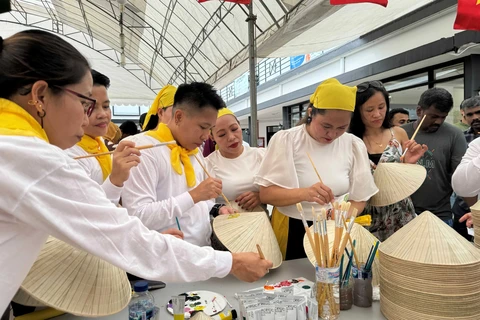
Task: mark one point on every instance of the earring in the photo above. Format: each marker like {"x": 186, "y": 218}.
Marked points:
{"x": 309, "y": 119}
{"x": 41, "y": 115}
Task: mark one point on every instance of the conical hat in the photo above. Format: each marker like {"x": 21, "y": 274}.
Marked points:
{"x": 25, "y": 299}
{"x": 396, "y": 181}
{"x": 429, "y": 272}
{"x": 241, "y": 232}
{"x": 475, "y": 209}
{"x": 200, "y": 316}
{"x": 365, "y": 241}
{"x": 73, "y": 281}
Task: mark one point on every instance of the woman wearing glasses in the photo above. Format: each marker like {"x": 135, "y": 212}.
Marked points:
{"x": 109, "y": 174}
{"x": 384, "y": 144}
{"x": 45, "y": 192}
{"x": 287, "y": 177}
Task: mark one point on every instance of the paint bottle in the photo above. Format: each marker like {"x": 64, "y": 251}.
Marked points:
{"x": 142, "y": 305}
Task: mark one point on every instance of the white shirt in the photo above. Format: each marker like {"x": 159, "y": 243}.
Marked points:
{"x": 94, "y": 171}
{"x": 343, "y": 166}
{"x": 44, "y": 192}
{"x": 156, "y": 194}
{"x": 237, "y": 174}
{"x": 466, "y": 178}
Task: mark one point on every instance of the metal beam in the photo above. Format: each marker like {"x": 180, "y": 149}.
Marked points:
{"x": 212, "y": 23}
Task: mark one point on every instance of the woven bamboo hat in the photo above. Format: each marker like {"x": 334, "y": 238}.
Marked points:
{"x": 396, "y": 181}
{"x": 241, "y": 232}
{"x": 365, "y": 241}
{"x": 237, "y": 208}
{"x": 475, "y": 209}
{"x": 200, "y": 316}
{"x": 429, "y": 271}
{"x": 76, "y": 282}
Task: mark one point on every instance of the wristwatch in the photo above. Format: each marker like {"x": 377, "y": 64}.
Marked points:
{"x": 215, "y": 209}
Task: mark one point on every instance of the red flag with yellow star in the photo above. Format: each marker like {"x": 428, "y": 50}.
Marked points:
{"x": 468, "y": 15}
{"x": 340, "y": 2}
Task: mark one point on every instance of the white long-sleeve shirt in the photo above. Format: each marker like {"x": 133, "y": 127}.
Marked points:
{"x": 45, "y": 192}
{"x": 466, "y": 178}
{"x": 157, "y": 195}
{"x": 94, "y": 171}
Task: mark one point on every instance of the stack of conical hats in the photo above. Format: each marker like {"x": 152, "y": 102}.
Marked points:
{"x": 429, "y": 271}
{"x": 71, "y": 280}
{"x": 241, "y": 232}
{"x": 475, "y": 209}
{"x": 396, "y": 181}
{"x": 365, "y": 241}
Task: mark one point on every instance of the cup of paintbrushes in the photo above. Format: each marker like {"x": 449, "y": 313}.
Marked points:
{"x": 328, "y": 295}
{"x": 346, "y": 282}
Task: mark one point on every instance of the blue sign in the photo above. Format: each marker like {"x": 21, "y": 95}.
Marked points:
{"x": 296, "y": 61}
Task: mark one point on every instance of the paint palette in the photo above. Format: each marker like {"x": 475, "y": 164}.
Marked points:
{"x": 209, "y": 302}
{"x": 296, "y": 286}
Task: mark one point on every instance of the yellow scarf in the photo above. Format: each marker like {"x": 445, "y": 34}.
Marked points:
{"x": 178, "y": 155}
{"x": 94, "y": 146}
{"x": 15, "y": 121}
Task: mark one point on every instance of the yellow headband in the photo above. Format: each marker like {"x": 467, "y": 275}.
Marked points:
{"x": 224, "y": 111}
{"x": 333, "y": 95}
{"x": 164, "y": 99}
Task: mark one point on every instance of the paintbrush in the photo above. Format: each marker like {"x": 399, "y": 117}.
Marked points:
{"x": 148, "y": 146}
{"x": 317, "y": 238}
{"x": 414, "y": 135}
{"x": 307, "y": 231}
{"x": 208, "y": 175}
{"x": 178, "y": 224}
{"x": 316, "y": 171}
{"x": 260, "y": 253}
{"x": 352, "y": 221}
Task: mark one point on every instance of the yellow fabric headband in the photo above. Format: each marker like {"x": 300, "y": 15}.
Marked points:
{"x": 224, "y": 111}
{"x": 333, "y": 95}
{"x": 164, "y": 99}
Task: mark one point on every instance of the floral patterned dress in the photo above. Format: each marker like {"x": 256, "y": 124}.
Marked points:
{"x": 387, "y": 220}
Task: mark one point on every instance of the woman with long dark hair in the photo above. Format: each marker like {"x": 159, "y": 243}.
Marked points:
{"x": 384, "y": 144}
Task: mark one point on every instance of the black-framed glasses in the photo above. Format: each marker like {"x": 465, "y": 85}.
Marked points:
{"x": 364, "y": 86}
{"x": 88, "y": 105}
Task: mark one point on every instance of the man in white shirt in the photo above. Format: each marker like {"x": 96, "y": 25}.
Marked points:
{"x": 162, "y": 189}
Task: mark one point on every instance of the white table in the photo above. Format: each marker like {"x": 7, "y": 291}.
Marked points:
{"x": 230, "y": 285}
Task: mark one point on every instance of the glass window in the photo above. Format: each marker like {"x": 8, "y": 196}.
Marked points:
{"x": 407, "y": 99}
{"x": 417, "y": 79}
{"x": 449, "y": 71}
{"x": 455, "y": 87}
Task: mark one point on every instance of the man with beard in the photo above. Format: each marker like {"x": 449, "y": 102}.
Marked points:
{"x": 446, "y": 145}
{"x": 471, "y": 114}
{"x": 471, "y": 117}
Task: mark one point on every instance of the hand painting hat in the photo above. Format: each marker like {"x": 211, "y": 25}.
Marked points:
{"x": 241, "y": 232}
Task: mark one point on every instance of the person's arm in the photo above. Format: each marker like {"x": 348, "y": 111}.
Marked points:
{"x": 112, "y": 192}
{"x": 281, "y": 197}
{"x": 465, "y": 180}
{"x": 139, "y": 195}
{"x": 359, "y": 205}
{"x": 81, "y": 216}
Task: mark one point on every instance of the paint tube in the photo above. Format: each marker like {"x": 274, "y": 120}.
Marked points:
{"x": 243, "y": 307}
{"x": 253, "y": 312}
{"x": 280, "y": 312}
{"x": 302, "y": 310}
{"x": 291, "y": 311}
{"x": 239, "y": 295}
{"x": 312, "y": 309}
{"x": 268, "y": 312}
{"x": 287, "y": 290}
{"x": 178, "y": 306}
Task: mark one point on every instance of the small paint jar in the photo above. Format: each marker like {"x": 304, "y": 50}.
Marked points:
{"x": 362, "y": 289}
